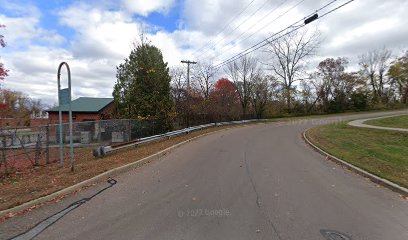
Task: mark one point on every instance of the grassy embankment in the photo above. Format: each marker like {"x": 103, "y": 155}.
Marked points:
{"x": 395, "y": 122}
{"x": 381, "y": 152}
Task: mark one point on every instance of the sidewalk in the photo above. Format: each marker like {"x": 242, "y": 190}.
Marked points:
{"x": 361, "y": 123}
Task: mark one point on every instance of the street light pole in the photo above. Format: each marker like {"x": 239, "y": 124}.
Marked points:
{"x": 64, "y": 98}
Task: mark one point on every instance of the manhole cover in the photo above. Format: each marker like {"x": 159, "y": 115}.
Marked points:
{"x": 334, "y": 235}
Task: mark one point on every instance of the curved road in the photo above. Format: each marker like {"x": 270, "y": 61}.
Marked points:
{"x": 255, "y": 182}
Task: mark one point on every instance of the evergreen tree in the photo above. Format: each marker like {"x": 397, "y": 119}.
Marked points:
{"x": 142, "y": 89}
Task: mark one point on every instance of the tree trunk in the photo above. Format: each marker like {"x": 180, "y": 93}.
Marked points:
{"x": 405, "y": 96}
{"x": 288, "y": 101}
{"x": 243, "y": 112}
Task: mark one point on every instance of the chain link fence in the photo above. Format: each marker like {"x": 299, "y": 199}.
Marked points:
{"x": 23, "y": 148}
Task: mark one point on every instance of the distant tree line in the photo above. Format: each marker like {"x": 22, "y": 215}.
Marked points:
{"x": 3, "y": 70}
{"x": 284, "y": 84}
{"x": 19, "y": 106}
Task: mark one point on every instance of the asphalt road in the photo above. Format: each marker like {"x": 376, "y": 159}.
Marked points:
{"x": 255, "y": 182}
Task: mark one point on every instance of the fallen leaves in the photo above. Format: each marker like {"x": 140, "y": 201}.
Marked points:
{"x": 28, "y": 184}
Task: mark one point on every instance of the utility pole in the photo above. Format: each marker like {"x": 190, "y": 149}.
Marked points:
{"x": 188, "y": 71}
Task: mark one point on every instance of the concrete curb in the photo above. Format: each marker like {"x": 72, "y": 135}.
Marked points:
{"x": 376, "y": 179}
{"x": 102, "y": 176}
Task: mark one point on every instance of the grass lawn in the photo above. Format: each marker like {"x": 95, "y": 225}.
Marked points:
{"x": 396, "y": 122}
{"x": 383, "y": 153}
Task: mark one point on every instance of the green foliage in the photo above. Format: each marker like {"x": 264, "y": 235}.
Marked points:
{"x": 335, "y": 87}
{"x": 359, "y": 101}
{"x": 398, "y": 73}
{"x": 142, "y": 89}
{"x": 336, "y": 105}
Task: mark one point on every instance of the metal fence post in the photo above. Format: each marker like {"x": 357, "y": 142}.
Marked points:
{"x": 47, "y": 144}
{"x": 37, "y": 150}
{"x": 99, "y": 131}
{"x": 3, "y": 154}
{"x": 129, "y": 130}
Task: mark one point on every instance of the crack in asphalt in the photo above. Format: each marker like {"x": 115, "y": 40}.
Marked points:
{"x": 49, "y": 221}
{"x": 258, "y": 202}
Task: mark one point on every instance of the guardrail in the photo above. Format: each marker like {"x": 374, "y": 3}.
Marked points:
{"x": 103, "y": 150}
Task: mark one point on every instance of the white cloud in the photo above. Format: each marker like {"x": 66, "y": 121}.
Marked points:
{"x": 22, "y": 31}
{"x": 34, "y": 72}
{"x": 99, "y": 33}
{"x": 19, "y": 9}
{"x": 144, "y": 8}
{"x": 102, "y": 40}
{"x": 103, "y": 37}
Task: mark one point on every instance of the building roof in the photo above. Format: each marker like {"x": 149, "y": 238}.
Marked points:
{"x": 84, "y": 104}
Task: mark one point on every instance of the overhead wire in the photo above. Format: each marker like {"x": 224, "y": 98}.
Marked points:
{"x": 259, "y": 29}
{"x": 293, "y": 27}
{"x": 233, "y": 30}
{"x": 225, "y": 26}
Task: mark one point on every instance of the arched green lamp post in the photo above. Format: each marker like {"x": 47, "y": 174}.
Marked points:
{"x": 64, "y": 98}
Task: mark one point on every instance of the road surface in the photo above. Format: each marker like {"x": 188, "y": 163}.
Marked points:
{"x": 255, "y": 182}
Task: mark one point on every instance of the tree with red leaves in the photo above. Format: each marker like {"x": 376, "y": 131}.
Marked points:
{"x": 3, "y": 71}
{"x": 225, "y": 99}
{"x": 225, "y": 88}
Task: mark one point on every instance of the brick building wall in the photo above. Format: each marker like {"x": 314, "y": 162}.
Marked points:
{"x": 38, "y": 122}
{"x": 76, "y": 117}
{"x": 106, "y": 113}
{"x": 12, "y": 122}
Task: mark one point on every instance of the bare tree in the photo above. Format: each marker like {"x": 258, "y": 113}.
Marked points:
{"x": 374, "y": 65}
{"x": 331, "y": 81}
{"x": 243, "y": 72}
{"x": 328, "y": 78}
{"x": 308, "y": 94}
{"x": 288, "y": 56}
{"x": 398, "y": 73}
{"x": 203, "y": 77}
{"x": 260, "y": 94}
{"x": 178, "y": 83}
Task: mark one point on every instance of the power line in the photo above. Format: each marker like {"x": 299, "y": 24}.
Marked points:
{"x": 268, "y": 23}
{"x": 297, "y": 4}
{"x": 268, "y": 39}
{"x": 334, "y": 9}
{"x": 209, "y": 48}
{"x": 249, "y": 50}
{"x": 294, "y": 24}
{"x": 225, "y": 27}
{"x": 260, "y": 45}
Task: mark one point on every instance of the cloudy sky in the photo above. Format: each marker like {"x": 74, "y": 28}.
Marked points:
{"x": 95, "y": 36}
